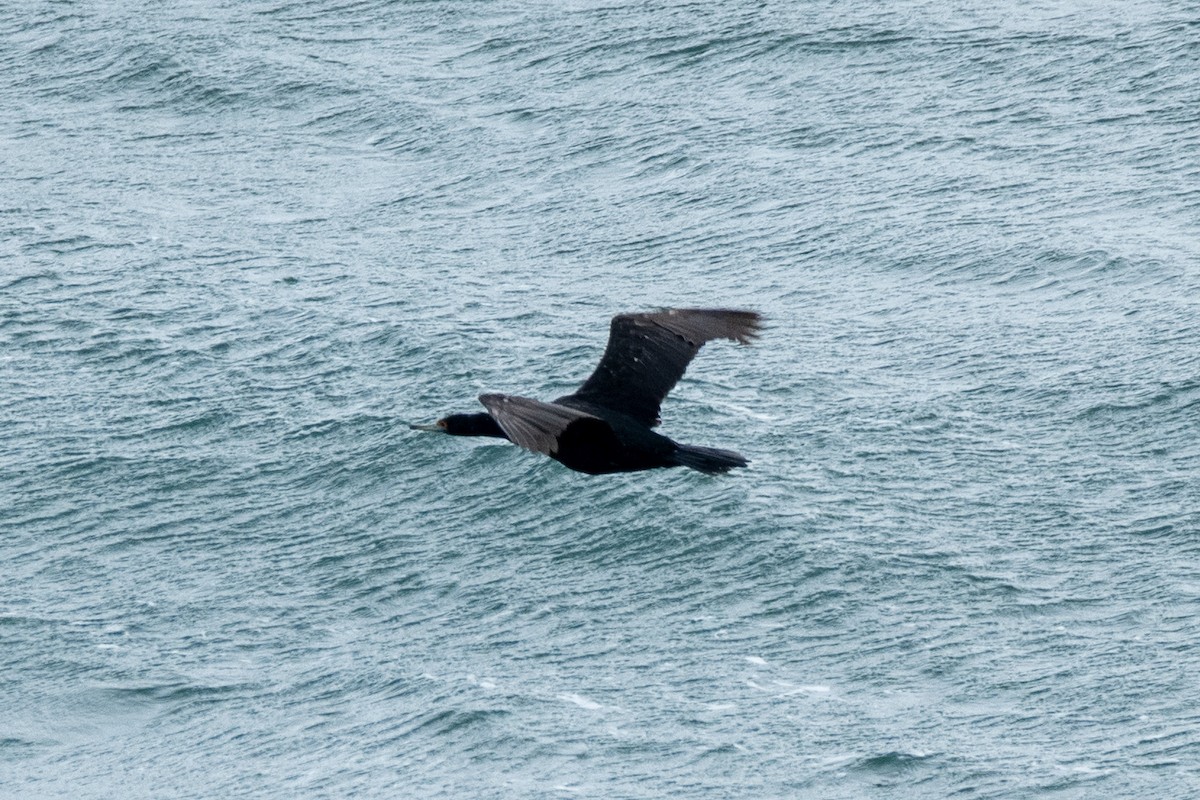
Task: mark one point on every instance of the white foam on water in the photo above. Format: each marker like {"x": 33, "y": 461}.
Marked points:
{"x": 581, "y": 701}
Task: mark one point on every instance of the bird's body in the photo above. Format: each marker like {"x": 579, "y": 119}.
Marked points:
{"x": 609, "y": 441}
{"x": 606, "y": 425}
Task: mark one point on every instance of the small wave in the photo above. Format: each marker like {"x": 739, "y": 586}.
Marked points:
{"x": 443, "y": 723}
{"x": 71, "y": 245}
{"x": 892, "y": 762}
{"x": 25, "y": 281}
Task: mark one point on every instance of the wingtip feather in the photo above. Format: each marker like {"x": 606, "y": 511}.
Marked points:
{"x": 735, "y": 324}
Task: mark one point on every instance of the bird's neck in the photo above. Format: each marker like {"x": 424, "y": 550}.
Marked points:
{"x": 480, "y": 425}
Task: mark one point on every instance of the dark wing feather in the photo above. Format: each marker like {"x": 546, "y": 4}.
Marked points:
{"x": 532, "y": 424}
{"x": 648, "y": 353}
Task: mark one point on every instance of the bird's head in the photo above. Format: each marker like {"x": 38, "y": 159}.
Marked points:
{"x": 464, "y": 425}
{"x": 437, "y": 427}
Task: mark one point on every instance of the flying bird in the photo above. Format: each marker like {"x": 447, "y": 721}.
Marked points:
{"x": 606, "y": 424}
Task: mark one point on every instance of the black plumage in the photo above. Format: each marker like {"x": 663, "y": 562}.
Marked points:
{"x": 606, "y": 424}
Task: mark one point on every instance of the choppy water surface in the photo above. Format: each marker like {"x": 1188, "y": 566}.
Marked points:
{"x": 245, "y": 243}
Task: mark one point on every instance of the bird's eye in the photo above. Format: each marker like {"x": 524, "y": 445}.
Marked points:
{"x": 441, "y": 423}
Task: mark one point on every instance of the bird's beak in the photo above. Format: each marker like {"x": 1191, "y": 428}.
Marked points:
{"x": 432, "y": 427}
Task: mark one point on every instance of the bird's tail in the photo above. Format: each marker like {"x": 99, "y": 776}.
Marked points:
{"x": 708, "y": 459}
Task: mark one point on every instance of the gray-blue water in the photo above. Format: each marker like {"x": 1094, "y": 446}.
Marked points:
{"x": 245, "y": 243}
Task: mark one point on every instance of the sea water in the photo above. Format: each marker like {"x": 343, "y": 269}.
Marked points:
{"x": 244, "y": 244}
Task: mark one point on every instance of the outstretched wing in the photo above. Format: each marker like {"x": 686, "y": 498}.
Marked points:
{"x": 648, "y": 353}
{"x": 532, "y": 424}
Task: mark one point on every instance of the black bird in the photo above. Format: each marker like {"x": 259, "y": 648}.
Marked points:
{"x": 605, "y": 426}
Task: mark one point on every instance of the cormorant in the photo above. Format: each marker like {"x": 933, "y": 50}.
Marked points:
{"x": 605, "y": 426}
